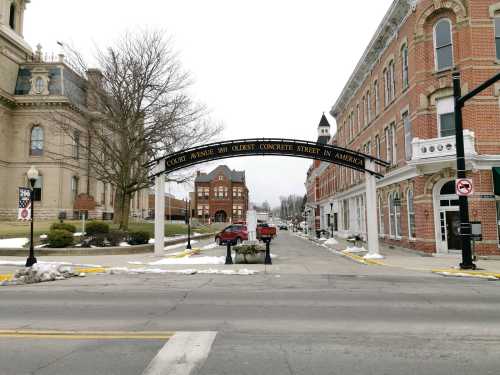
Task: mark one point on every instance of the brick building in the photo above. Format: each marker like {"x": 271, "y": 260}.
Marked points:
{"x": 398, "y": 106}
{"x": 221, "y": 195}
{"x": 175, "y": 209}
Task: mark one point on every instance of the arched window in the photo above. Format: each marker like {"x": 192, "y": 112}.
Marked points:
{"x": 12, "y": 16}
{"x": 443, "y": 44}
{"x": 36, "y": 141}
{"x": 411, "y": 214}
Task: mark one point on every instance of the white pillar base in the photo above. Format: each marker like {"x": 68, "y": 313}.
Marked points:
{"x": 373, "y": 256}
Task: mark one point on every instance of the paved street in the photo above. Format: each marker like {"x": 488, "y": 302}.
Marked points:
{"x": 314, "y": 313}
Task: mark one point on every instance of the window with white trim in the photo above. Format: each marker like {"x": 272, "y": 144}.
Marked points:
{"x": 388, "y": 145}
{"x": 394, "y": 215}
{"x": 358, "y": 118}
{"x": 443, "y": 44}
{"x": 369, "y": 106}
{"x": 411, "y": 214}
{"x": 377, "y": 97}
{"x": 380, "y": 207}
{"x": 392, "y": 133}
{"x": 445, "y": 109}
{"x": 408, "y": 137}
{"x": 36, "y": 141}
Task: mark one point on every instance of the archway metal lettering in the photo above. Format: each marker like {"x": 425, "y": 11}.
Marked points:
{"x": 266, "y": 146}
{"x": 270, "y": 146}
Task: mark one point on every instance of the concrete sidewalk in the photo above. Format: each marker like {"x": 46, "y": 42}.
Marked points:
{"x": 399, "y": 257}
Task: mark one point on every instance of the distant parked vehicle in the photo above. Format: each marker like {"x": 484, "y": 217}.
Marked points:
{"x": 235, "y": 234}
{"x": 265, "y": 231}
{"x": 283, "y": 227}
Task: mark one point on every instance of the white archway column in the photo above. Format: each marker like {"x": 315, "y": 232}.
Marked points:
{"x": 159, "y": 212}
{"x": 371, "y": 213}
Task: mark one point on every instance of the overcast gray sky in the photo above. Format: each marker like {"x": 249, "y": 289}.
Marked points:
{"x": 265, "y": 68}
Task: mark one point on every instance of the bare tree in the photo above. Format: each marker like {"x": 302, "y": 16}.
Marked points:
{"x": 137, "y": 109}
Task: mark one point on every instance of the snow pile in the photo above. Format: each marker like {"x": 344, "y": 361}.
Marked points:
{"x": 40, "y": 273}
{"x": 23, "y": 262}
{"x": 124, "y": 244}
{"x": 186, "y": 260}
{"x": 211, "y": 246}
{"x": 331, "y": 241}
{"x": 180, "y": 245}
{"x": 322, "y": 239}
{"x": 355, "y": 249}
{"x": 210, "y": 271}
{"x": 13, "y": 243}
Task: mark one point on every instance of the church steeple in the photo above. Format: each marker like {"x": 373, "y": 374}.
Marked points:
{"x": 323, "y": 130}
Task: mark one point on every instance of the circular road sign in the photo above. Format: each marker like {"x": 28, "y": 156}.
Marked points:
{"x": 464, "y": 187}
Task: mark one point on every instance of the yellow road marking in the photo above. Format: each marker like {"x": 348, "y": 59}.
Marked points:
{"x": 86, "y": 335}
{"x": 90, "y": 270}
{"x": 6, "y": 277}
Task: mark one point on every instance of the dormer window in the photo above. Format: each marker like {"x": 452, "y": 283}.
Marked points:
{"x": 12, "y": 16}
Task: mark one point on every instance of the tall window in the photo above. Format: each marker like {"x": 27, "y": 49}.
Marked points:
{"x": 443, "y": 44}
{"x": 386, "y": 87}
{"x": 394, "y": 215}
{"x": 345, "y": 214}
{"x": 497, "y": 35}
{"x": 392, "y": 134}
{"x": 377, "y": 150}
{"x": 358, "y": 118}
{"x": 12, "y": 16}
{"x": 36, "y": 141}
{"x": 74, "y": 187}
{"x": 392, "y": 81}
{"x": 408, "y": 138}
{"x": 498, "y": 220}
{"x": 445, "y": 109}
{"x": 411, "y": 214}
{"x": 349, "y": 121}
{"x": 377, "y": 98}
{"x": 388, "y": 145}
{"x": 404, "y": 63}
{"x": 37, "y": 189}
{"x": 380, "y": 216}
{"x": 365, "y": 117}
{"x": 369, "y": 106}
{"x": 76, "y": 144}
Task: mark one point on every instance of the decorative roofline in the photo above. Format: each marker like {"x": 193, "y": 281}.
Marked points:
{"x": 386, "y": 31}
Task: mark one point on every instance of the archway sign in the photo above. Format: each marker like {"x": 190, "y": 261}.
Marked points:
{"x": 270, "y": 146}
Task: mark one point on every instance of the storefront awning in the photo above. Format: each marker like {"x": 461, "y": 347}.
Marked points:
{"x": 496, "y": 180}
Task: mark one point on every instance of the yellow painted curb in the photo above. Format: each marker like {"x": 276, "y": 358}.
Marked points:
{"x": 478, "y": 274}
{"x": 87, "y": 335}
{"x": 6, "y": 277}
{"x": 362, "y": 260}
{"x": 91, "y": 270}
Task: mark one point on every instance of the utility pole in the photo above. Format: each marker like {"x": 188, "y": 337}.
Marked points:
{"x": 465, "y": 226}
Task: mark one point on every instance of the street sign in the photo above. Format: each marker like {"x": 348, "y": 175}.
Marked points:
{"x": 464, "y": 187}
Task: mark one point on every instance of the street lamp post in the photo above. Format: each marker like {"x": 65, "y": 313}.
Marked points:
{"x": 32, "y": 177}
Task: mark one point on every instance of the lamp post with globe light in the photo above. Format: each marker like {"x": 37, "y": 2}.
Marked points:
{"x": 32, "y": 177}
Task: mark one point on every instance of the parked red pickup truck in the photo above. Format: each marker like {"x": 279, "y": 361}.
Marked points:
{"x": 237, "y": 233}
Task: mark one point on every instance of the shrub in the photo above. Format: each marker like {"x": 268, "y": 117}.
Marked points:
{"x": 96, "y": 227}
{"x": 60, "y": 238}
{"x": 63, "y": 226}
{"x": 138, "y": 238}
{"x": 115, "y": 237}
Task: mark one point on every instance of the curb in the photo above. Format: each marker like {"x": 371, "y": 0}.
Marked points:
{"x": 464, "y": 273}
{"x": 122, "y": 250}
{"x": 361, "y": 260}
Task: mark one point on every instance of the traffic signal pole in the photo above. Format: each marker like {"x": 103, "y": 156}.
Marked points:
{"x": 465, "y": 226}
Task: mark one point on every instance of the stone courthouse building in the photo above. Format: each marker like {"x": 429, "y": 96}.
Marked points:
{"x": 32, "y": 86}
{"x": 398, "y": 106}
{"x": 221, "y": 196}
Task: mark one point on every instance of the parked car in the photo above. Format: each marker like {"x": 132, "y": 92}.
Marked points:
{"x": 265, "y": 230}
{"x": 283, "y": 227}
{"x": 235, "y": 234}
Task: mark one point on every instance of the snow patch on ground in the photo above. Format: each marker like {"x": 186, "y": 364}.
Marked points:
{"x": 23, "y": 262}
{"x": 331, "y": 241}
{"x": 355, "y": 249}
{"x": 13, "y": 243}
{"x": 179, "y": 245}
{"x": 186, "y": 260}
{"x": 124, "y": 244}
{"x": 211, "y": 246}
{"x": 40, "y": 273}
{"x": 210, "y": 271}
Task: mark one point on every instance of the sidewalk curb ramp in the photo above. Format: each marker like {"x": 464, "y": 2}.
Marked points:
{"x": 121, "y": 250}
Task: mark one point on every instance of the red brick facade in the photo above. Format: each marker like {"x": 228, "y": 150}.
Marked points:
{"x": 221, "y": 196}
{"x": 423, "y": 157}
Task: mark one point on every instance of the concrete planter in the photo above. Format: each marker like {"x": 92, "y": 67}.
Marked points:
{"x": 249, "y": 254}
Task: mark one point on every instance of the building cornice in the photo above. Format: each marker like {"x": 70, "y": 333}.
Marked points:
{"x": 386, "y": 31}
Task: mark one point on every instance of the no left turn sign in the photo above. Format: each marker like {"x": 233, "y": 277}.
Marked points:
{"x": 464, "y": 187}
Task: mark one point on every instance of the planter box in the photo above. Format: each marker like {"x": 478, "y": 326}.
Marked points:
{"x": 249, "y": 254}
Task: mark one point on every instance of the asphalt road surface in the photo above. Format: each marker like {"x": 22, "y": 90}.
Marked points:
{"x": 313, "y": 313}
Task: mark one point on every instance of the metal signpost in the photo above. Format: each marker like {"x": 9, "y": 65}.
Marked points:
{"x": 465, "y": 225}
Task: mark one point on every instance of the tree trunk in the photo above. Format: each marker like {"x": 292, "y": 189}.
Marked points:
{"x": 122, "y": 209}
